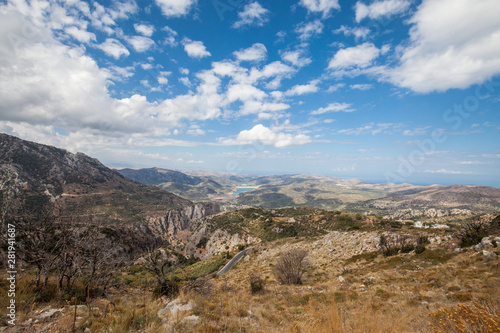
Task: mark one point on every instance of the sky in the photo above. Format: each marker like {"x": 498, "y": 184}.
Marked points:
{"x": 400, "y": 91}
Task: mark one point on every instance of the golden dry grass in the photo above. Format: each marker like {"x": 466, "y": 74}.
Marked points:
{"x": 429, "y": 292}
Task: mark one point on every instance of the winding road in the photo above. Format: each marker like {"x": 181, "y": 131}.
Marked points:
{"x": 233, "y": 261}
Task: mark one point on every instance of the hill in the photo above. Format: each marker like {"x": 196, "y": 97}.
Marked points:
{"x": 398, "y": 201}
{"x": 39, "y": 174}
{"x": 436, "y": 202}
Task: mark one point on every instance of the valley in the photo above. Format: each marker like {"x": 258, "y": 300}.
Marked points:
{"x": 137, "y": 250}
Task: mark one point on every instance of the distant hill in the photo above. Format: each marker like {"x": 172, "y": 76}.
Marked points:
{"x": 155, "y": 176}
{"x": 400, "y": 201}
{"x": 39, "y": 173}
{"x": 464, "y": 198}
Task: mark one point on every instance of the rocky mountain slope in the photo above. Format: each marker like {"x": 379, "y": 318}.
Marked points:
{"x": 36, "y": 175}
{"x": 398, "y": 201}
{"x": 438, "y": 202}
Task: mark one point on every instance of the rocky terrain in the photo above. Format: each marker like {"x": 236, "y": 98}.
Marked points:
{"x": 35, "y": 176}
{"x": 397, "y": 201}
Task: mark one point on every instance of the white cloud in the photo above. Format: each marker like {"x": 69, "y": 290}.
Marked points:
{"x": 175, "y": 8}
{"x": 144, "y": 29}
{"x": 114, "y": 48}
{"x": 195, "y": 49}
{"x": 450, "y": 172}
{"x": 81, "y": 35}
{"x": 363, "y": 86}
{"x": 296, "y": 58}
{"x": 333, "y": 107}
{"x": 301, "y": 89}
{"x": 335, "y": 87}
{"x": 252, "y": 14}
{"x": 140, "y": 43}
{"x": 162, "y": 79}
{"x": 417, "y": 131}
{"x": 267, "y": 136}
{"x": 357, "y": 56}
{"x": 257, "y": 52}
{"x": 357, "y": 32}
{"x": 185, "y": 81}
{"x": 310, "y": 29}
{"x": 324, "y": 6}
{"x": 196, "y": 132}
{"x": 171, "y": 34}
{"x": 371, "y": 128}
{"x": 378, "y": 9}
{"x": 455, "y": 50}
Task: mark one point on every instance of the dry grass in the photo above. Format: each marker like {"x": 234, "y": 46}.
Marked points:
{"x": 428, "y": 292}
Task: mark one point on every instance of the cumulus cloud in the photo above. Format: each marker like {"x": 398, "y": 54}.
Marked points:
{"x": 195, "y": 49}
{"x": 455, "y": 50}
{"x": 333, "y": 107}
{"x": 379, "y": 9}
{"x": 361, "y": 86}
{"x": 175, "y": 8}
{"x": 301, "y": 89}
{"x": 257, "y": 52}
{"x": 357, "y": 56}
{"x": 310, "y": 29}
{"x": 267, "y": 136}
{"x": 322, "y": 6}
{"x": 296, "y": 58}
{"x": 357, "y": 32}
{"x": 144, "y": 29}
{"x": 140, "y": 43}
{"x": 81, "y": 35}
{"x": 252, "y": 14}
{"x": 113, "y": 48}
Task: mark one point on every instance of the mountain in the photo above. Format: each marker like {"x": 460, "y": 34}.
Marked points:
{"x": 398, "y": 201}
{"x": 437, "y": 202}
{"x": 39, "y": 172}
{"x": 155, "y": 176}
{"x": 33, "y": 176}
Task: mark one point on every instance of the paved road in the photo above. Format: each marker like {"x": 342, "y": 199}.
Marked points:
{"x": 233, "y": 261}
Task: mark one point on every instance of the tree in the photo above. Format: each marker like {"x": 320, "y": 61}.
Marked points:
{"x": 291, "y": 265}
{"x": 161, "y": 264}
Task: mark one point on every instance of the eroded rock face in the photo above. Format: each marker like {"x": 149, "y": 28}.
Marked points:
{"x": 431, "y": 212}
{"x": 176, "y": 225}
{"x": 215, "y": 240}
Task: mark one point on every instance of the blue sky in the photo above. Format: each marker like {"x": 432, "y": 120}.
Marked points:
{"x": 384, "y": 91}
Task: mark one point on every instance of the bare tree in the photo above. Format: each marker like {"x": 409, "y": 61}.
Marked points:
{"x": 291, "y": 265}
{"x": 161, "y": 264}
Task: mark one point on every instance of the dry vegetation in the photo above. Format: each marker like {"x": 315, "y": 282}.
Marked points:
{"x": 348, "y": 286}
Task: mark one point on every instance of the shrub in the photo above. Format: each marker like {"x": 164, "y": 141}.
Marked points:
{"x": 471, "y": 233}
{"x": 290, "y": 266}
{"x": 422, "y": 241}
{"x": 167, "y": 288}
{"x": 466, "y": 318}
{"x": 202, "y": 243}
{"x": 257, "y": 284}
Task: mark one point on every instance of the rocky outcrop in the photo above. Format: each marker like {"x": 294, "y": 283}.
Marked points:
{"x": 406, "y": 214}
{"x": 177, "y": 224}
{"x": 215, "y": 240}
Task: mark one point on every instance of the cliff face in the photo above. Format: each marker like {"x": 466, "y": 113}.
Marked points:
{"x": 176, "y": 225}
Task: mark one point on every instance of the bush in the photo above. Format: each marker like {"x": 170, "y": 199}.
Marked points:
{"x": 168, "y": 288}
{"x": 422, "y": 241}
{"x": 466, "y": 318}
{"x": 394, "y": 245}
{"x": 290, "y": 266}
{"x": 257, "y": 284}
{"x": 471, "y": 233}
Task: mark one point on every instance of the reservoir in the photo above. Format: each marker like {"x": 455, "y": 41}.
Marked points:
{"x": 242, "y": 190}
